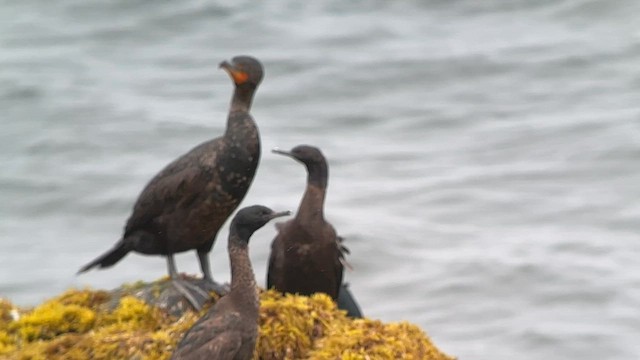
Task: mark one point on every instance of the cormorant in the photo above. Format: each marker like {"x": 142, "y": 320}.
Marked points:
{"x": 230, "y": 328}
{"x": 307, "y": 256}
{"x": 183, "y": 207}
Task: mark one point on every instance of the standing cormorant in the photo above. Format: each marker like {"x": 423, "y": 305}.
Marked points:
{"x": 307, "y": 256}
{"x": 230, "y": 328}
{"x": 183, "y": 207}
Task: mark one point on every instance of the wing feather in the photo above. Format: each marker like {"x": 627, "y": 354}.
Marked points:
{"x": 179, "y": 183}
{"x": 214, "y": 336}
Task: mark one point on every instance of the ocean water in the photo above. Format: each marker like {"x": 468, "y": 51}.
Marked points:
{"x": 484, "y": 155}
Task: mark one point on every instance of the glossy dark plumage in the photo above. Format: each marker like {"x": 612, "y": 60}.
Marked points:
{"x": 183, "y": 207}
{"x": 307, "y": 255}
{"x": 230, "y": 328}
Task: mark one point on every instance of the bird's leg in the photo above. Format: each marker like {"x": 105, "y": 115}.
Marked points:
{"x": 203, "y": 257}
{"x": 207, "y": 280}
{"x": 184, "y": 286}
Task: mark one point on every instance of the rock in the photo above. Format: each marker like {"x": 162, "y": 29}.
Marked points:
{"x": 146, "y": 320}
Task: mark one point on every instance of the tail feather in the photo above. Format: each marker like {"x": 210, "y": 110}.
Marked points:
{"x": 109, "y": 258}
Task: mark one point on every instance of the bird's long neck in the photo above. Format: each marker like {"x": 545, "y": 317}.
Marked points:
{"x": 243, "y": 281}
{"x": 242, "y": 98}
{"x": 240, "y": 125}
{"x": 312, "y": 205}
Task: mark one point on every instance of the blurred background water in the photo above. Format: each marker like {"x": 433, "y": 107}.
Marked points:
{"x": 484, "y": 155}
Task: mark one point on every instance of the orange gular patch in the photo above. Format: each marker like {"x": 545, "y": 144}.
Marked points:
{"x": 239, "y": 77}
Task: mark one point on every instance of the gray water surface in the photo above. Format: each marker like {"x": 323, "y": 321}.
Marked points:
{"x": 484, "y": 155}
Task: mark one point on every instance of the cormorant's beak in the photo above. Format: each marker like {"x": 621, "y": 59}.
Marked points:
{"x": 282, "y": 152}
{"x": 279, "y": 214}
{"x": 238, "y": 76}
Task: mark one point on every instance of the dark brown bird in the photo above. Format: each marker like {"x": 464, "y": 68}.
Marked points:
{"x": 230, "y": 328}
{"x": 307, "y": 255}
{"x": 183, "y": 207}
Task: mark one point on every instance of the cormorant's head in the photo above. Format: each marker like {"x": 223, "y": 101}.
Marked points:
{"x": 244, "y": 70}
{"x": 308, "y": 155}
{"x": 252, "y": 218}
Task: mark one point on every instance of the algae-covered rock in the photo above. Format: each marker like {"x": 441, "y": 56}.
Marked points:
{"x": 146, "y": 320}
{"x": 8, "y": 313}
{"x": 372, "y": 339}
{"x": 290, "y": 325}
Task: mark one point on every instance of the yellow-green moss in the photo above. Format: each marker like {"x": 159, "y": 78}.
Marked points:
{"x": 86, "y": 324}
{"x": 363, "y": 339}
{"x": 134, "y": 314}
{"x": 7, "y": 343}
{"x": 290, "y": 324}
{"x": 52, "y": 319}
{"x": 7, "y": 313}
{"x": 6, "y": 308}
{"x": 88, "y": 298}
{"x": 67, "y": 330}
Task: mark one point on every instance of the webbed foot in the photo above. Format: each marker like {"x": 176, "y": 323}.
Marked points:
{"x": 210, "y": 285}
{"x": 194, "y": 294}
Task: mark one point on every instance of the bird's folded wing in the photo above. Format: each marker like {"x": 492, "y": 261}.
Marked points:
{"x": 180, "y": 183}
{"x": 212, "y": 334}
